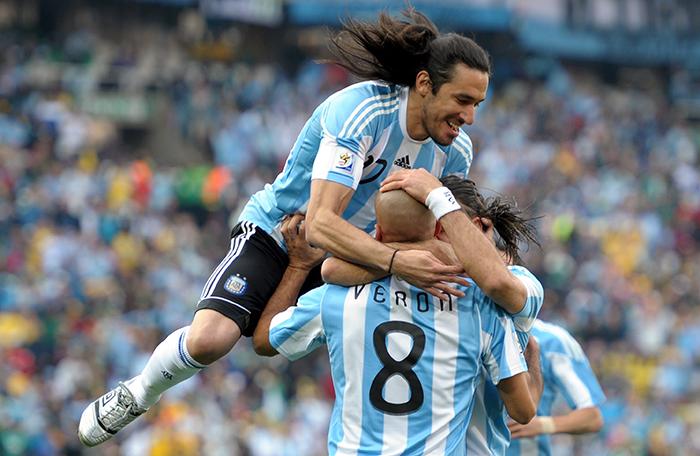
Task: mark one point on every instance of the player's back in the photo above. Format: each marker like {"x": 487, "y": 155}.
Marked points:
{"x": 405, "y": 365}
{"x": 566, "y": 372}
{"x": 563, "y": 356}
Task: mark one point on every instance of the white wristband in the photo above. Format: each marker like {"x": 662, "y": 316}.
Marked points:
{"x": 441, "y": 201}
{"x": 547, "y": 424}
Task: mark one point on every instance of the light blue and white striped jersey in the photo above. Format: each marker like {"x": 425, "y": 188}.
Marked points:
{"x": 355, "y": 138}
{"x": 404, "y": 364}
{"x": 565, "y": 371}
{"x": 488, "y": 432}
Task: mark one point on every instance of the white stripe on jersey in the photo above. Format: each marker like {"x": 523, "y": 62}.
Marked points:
{"x": 387, "y": 109}
{"x": 298, "y": 345}
{"x": 438, "y": 162}
{"x": 366, "y": 106}
{"x": 534, "y": 290}
{"x": 461, "y": 145}
{"x": 490, "y": 363}
{"x": 237, "y": 244}
{"x": 353, "y": 361}
{"x": 447, "y": 343}
{"x": 396, "y": 426}
{"x": 572, "y": 348}
{"x": 578, "y": 391}
{"x": 512, "y": 355}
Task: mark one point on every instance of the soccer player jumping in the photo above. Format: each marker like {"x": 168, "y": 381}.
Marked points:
{"x": 422, "y": 87}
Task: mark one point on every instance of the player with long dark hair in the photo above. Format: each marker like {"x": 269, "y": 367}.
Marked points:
{"x": 423, "y": 87}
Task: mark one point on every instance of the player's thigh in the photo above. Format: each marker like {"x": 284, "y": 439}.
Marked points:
{"x": 246, "y": 278}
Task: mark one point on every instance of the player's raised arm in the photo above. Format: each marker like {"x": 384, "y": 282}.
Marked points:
{"x": 479, "y": 257}
{"x": 327, "y": 229}
{"x": 302, "y": 258}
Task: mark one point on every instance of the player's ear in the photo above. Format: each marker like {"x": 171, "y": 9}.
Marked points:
{"x": 424, "y": 85}
{"x": 378, "y": 235}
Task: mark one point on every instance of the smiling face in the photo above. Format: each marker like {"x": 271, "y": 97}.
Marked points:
{"x": 454, "y": 104}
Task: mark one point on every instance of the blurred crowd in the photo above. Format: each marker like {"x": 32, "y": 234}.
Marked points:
{"x": 103, "y": 250}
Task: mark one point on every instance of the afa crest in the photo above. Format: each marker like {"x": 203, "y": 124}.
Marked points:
{"x": 236, "y": 284}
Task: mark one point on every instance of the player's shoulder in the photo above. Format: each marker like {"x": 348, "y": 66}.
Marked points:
{"x": 366, "y": 92}
{"x": 487, "y": 307}
{"x": 350, "y": 111}
{"x": 462, "y": 144}
{"x": 527, "y": 276}
{"x": 555, "y": 338}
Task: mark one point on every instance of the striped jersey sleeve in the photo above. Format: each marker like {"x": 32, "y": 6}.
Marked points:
{"x": 572, "y": 373}
{"x": 502, "y": 355}
{"x": 460, "y": 156}
{"x": 298, "y": 331}
{"x": 524, "y": 319}
{"x": 349, "y": 123}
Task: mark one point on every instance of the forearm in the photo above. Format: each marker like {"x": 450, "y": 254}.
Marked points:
{"x": 516, "y": 397}
{"x": 284, "y": 297}
{"x": 345, "y": 273}
{"x": 580, "y": 421}
{"x": 341, "y": 272}
{"x": 482, "y": 262}
{"x": 330, "y": 232}
{"x": 535, "y": 382}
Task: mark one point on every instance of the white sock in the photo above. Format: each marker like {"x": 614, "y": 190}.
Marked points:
{"x": 169, "y": 365}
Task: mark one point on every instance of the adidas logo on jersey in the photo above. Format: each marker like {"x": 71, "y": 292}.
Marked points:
{"x": 403, "y": 162}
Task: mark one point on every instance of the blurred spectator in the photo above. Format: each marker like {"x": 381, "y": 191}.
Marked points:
{"x": 103, "y": 251}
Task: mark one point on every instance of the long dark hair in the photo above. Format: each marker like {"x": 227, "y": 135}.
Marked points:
{"x": 510, "y": 225}
{"x": 396, "y": 50}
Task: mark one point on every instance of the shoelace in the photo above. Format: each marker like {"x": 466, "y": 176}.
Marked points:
{"x": 121, "y": 410}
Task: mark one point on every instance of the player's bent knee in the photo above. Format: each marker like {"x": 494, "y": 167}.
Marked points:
{"x": 211, "y": 336}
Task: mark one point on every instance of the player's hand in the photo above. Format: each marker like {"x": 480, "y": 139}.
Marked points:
{"x": 531, "y": 429}
{"x": 424, "y": 270}
{"x": 301, "y": 254}
{"x": 416, "y": 182}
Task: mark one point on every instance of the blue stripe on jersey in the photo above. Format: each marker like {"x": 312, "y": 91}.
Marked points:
{"x": 497, "y": 441}
{"x": 361, "y": 125}
{"x": 459, "y": 156}
{"x": 332, "y": 319}
{"x": 426, "y": 157}
{"x": 469, "y": 364}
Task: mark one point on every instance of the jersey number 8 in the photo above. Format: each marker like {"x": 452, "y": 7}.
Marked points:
{"x": 392, "y": 367}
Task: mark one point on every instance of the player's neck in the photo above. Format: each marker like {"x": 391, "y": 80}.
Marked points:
{"x": 414, "y": 114}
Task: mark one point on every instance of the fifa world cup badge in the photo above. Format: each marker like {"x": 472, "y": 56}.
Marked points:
{"x": 345, "y": 162}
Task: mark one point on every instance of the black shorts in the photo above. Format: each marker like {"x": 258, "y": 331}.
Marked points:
{"x": 246, "y": 278}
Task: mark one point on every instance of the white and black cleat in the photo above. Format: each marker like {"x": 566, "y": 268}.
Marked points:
{"x": 107, "y": 416}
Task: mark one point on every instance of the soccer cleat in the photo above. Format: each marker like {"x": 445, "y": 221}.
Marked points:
{"x": 107, "y": 416}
